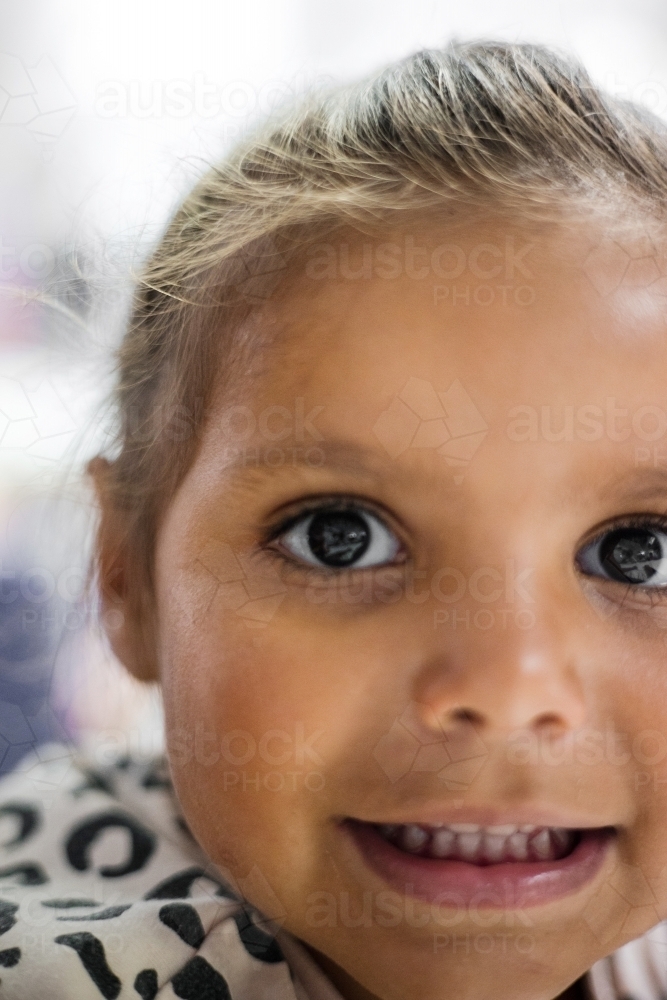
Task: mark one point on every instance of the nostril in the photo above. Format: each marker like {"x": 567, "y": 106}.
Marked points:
{"x": 549, "y": 723}
{"x": 468, "y": 715}
{"x": 548, "y": 719}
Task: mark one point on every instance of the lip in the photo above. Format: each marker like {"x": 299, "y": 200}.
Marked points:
{"x": 509, "y": 885}
{"x": 536, "y": 815}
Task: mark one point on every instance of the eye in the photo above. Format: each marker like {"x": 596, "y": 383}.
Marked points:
{"x": 634, "y": 555}
{"x": 351, "y": 538}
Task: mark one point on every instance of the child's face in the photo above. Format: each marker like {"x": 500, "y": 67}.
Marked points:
{"x": 417, "y": 574}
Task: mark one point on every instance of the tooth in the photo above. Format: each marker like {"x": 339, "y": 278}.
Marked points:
{"x": 541, "y": 845}
{"x": 527, "y": 828}
{"x": 502, "y": 831}
{"x": 562, "y": 840}
{"x": 413, "y": 838}
{"x": 388, "y": 830}
{"x": 464, "y": 827}
{"x": 468, "y": 844}
{"x": 517, "y": 846}
{"x": 442, "y": 842}
{"x": 494, "y": 846}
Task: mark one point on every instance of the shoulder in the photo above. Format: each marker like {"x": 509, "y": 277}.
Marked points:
{"x": 62, "y": 808}
{"x": 637, "y": 971}
{"x": 103, "y": 891}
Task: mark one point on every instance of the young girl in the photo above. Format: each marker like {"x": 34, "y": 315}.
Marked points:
{"x": 387, "y": 521}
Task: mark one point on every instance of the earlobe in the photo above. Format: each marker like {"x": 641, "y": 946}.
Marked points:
{"x": 125, "y": 610}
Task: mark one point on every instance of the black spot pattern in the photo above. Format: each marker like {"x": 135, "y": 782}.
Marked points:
{"x": 184, "y": 920}
{"x": 157, "y": 776}
{"x": 146, "y": 984}
{"x": 183, "y": 827}
{"x": 10, "y": 957}
{"x": 94, "y": 782}
{"x": 198, "y": 980}
{"x": 7, "y": 915}
{"x": 108, "y": 914}
{"x": 91, "y": 952}
{"x": 28, "y": 818}
{"x": 257, "y": 942}
{"x": 68, "y": 904}
{"x": 83, "y": 835}
{"x": 26, "y": 874}
{"x": 178, "y": 886}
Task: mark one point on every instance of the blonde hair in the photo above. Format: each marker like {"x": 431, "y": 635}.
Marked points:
{"x": 517, "y": 126}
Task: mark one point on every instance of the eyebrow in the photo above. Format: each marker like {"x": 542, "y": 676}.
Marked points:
{"x": 343, "y": 456}
{"x": 634, "y": 485}
{"x": 637, "y": 484}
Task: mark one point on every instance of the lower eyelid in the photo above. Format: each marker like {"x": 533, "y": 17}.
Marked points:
{"x": 302, "y": 575}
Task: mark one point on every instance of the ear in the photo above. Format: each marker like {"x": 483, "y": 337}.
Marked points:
{"x": 124, "y": 596}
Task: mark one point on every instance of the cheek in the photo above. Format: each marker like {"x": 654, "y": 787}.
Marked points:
{"x": 632, "y": 676}
{"x": 271, "y": 679}
{"x": 647, "y": 700}
{"x": 260, "y": 721}
{"x": 245, "y": 757}
{"x": 633, "y": 723}
{"x": 258, "y": 677}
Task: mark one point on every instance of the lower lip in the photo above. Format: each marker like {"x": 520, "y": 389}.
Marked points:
{"x": 510, "y": 885}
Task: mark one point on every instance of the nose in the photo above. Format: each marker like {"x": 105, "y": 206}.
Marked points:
{"x": 507, "y": 679}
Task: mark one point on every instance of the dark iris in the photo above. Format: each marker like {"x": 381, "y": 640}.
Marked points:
{"x": 627, "y": 554}
{"x": 338, "y": 538}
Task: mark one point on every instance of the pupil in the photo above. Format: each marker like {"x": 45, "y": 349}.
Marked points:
{"x": 338, "y": 538}
{"x": 629, "y": 554}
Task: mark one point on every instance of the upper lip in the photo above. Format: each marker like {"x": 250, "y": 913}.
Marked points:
{"x": 488, "y": 816}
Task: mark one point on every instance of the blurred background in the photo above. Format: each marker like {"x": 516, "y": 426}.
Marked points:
{"x": 108, "y": 113}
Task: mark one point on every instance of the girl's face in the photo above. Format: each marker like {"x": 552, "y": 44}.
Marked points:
{"x": 412, "y": 602}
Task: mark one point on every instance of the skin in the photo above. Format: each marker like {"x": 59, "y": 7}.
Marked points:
{"x": 586, "y": 660}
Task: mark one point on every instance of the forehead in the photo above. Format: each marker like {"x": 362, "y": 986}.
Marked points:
{"x": 540, "y": 350}
{"x": 523, "y": 313}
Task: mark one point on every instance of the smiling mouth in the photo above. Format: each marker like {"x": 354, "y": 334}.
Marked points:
{"x": 481, "y": 845}
{"x": 493, "y": 866}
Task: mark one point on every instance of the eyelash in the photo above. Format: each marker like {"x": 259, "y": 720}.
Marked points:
{"x": 334, "y": 503}
{"x": 638, "y": 521}
{"x": 342, "y": 503}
